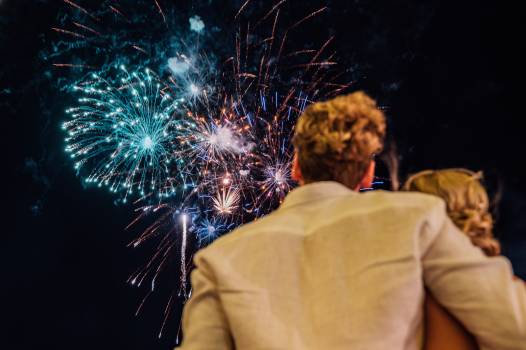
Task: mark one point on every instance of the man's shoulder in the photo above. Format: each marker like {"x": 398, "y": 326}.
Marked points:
{"x": 415, "y": 202}
{"x": 233, "y": 238}
{"x": 411, "y": 208}
{"x": 401, "y": 200}
{"x": 409, "y": 198}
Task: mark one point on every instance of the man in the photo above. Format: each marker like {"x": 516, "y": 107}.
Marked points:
{"x": 336, "y": 269}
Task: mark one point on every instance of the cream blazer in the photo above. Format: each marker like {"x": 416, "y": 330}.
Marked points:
{"x": 336, "y": 269}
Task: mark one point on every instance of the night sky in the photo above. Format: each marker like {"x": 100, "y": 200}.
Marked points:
{"x": 449, "y": 74}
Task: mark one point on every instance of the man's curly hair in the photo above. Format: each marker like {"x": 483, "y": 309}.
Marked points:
{"x": 335, "y": 140}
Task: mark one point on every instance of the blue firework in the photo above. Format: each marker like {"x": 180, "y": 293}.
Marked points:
{"x": 124, "y": 134}
{"x": 211, "y": 228}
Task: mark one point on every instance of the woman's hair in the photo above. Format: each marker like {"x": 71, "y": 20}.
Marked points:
{"x": 336, "y": 139}
{"x": 466, "y": 200}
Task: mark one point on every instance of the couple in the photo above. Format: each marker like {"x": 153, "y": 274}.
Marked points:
{"x": 333, "y": 268}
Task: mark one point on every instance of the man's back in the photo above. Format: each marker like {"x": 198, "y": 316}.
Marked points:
{"x": 331, "y": 269}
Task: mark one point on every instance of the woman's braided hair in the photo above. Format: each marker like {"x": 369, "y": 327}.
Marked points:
{"x": 336, "y": 139}
{"x": 466, "y": 199}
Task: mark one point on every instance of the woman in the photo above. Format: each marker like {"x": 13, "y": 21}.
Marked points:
{"x": 468, "y": 206}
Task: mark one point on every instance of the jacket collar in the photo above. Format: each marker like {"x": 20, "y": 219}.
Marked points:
{"x": 316, "y": 191}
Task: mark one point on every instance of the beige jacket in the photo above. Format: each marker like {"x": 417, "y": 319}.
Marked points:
{"x": 334, "y": 269}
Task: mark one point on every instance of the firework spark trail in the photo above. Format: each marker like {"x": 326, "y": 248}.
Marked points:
{"x": 119, "y": 12}
{"x": 69, "y": 32}
{"x": 139, "y": 49}
{"x": 321, "y": 50}
{"x": 87, "y": 28}
{"x": 273, "y": 35}
{"x": 274, "y": 8}
{"x": 241, "y": 9}
{"x": 306, "y": 18}
{"x": 184, "y": 240}
{"x": 285, "y": 36}
{"x": 69, "y": 2}
{"x": 160, "y": 10}
{"x": 167, "y": 311}
{"x": 165, "y": 245}
{"x": 71, "y": 65}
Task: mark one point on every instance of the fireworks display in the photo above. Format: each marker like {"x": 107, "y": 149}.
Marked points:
{"x": 198, "y": 135}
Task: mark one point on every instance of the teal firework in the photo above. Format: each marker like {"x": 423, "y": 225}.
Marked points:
{"x": 124, "y": 132}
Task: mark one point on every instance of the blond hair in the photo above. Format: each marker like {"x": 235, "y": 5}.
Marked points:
{"x": 466, "y": 200}
{"x": 336, "y": 139}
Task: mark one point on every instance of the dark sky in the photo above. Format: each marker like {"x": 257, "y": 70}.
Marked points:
{"x": 449, "y": 72}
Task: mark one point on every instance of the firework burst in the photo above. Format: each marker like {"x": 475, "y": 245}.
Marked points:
{"x": 226, "y": 201}
{"x": 123, "y": 134}
{"x": 211, "y": 228}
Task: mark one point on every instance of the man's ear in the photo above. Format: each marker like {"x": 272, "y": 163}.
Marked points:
{"x": 368, "y": 177}
{"x": 295, "y": 173}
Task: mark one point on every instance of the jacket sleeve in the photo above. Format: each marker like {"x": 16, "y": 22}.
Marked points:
{"x": 479, "y": 291}
{"x": 204, "y": 322}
